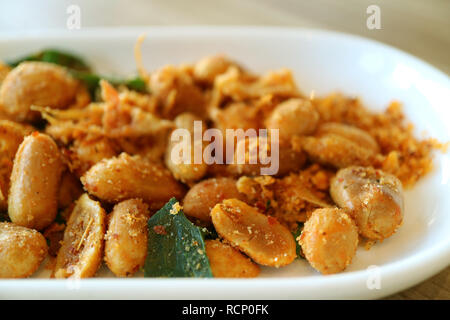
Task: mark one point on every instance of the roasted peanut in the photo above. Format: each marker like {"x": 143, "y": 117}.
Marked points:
{"x": 126, "y": 238}
{"x": 373, "y": 198}
{"x": 227, "y": 262}
{"x": 329, "y": 240}
{"x": 336, "y": 150}
{"x": 11, "y": 136}
{"x": 261, "y": 237}
{"x": 293, "y": 117}
{"x": 186, "y": 172}
{"x": 203, "y": 196}
{"x": 361, "y": 137}
{"x": 36, "y": 83}
{"x": 35, "y": 179}
{"x": 125, "y": 177}
{"x": 340, "y": 145}
{"x": 21, "y": 250}
{"x": 287, "y": 159}
{"x": 236, "y": 116}
{"x": 81, "y": 252}
{"x": 207, "y": 69}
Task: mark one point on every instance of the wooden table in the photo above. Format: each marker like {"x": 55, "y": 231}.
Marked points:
{"x": 436, "y": 288}
{"x": 420, "y": 27}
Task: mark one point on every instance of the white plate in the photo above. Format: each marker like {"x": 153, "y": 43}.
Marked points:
{"x": 325, "y": 62}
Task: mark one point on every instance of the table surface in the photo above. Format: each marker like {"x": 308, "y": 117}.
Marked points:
{"x": 420, "y": 27}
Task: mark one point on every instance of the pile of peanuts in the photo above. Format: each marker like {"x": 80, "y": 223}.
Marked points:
{"x": 79, "y": 179}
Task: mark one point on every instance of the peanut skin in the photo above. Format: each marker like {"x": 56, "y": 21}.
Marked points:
{"x": 125, "y": 177}
{"x": 361, "y": 137}
{"x": 261, "y": 237}
{"x": 227, "y": 262}
{"x": 203, "y": 196}
{"x": 329, "y": 240}
{"x": 126, "y": 238}
{"x": 21, "y": 250}
{"x": 373, "y": 198}
{"x": 36, "y": 83}
{"x": 185, "y": 172}
{"x": 11, "y": 136}
{"x": 293, "y": 117}
{"x": 35, "y": 179}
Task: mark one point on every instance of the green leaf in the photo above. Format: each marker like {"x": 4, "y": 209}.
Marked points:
{"x": 296, "y": 234}
{"x": 80, "y": 70}
{"x": 136, "y": 84}
{"x": 55, "y": 56}
{"x": 175, "y": 246}
{"x": 92, "y": 82}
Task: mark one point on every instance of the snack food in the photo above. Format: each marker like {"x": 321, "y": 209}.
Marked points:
{"x": 341, "y": 169}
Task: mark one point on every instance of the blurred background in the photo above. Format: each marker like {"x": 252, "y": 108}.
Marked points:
{"x": 420, "y": 27}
